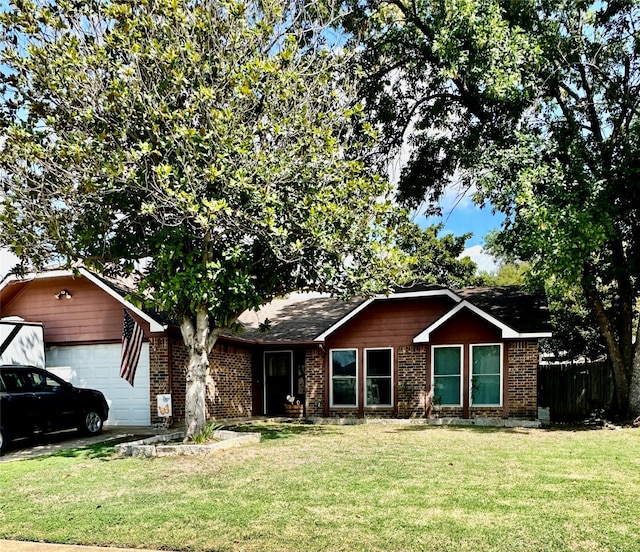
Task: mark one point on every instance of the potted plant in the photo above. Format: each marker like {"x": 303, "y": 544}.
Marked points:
{"x": 293, "y": 408}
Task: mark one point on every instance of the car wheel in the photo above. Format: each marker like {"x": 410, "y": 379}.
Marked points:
{"x": 91, "y": 423}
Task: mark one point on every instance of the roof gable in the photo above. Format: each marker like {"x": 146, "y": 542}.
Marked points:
{"x": 516, "y": 314}
{"x": 506, "y": 331}
{"x": 525, "y": 312}
{"x": 306, "y": 318}
{"x": 113, "y": 289}
{"x": 431, "y": 291}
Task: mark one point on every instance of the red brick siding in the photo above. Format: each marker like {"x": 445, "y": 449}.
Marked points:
{"x": 523, "y": 378}
{"x": 448, "y": 411}
{"x": 315, "y": 382}
{"x": 179, "y": 364}
{"x": 412, "y": 381}
{"x": 379, "y": 412}
{"x": 229, "y": 392}
{"x": 487, "y": 412}
{"x": 158, "y": 373}
{"x": 229, "y": 387}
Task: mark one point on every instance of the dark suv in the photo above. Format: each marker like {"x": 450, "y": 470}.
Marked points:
{"x": 34, "y": 401}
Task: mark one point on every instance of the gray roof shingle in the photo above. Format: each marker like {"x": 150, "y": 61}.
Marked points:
{"x": 300, "y": 318}
{"x": 297, "y": 318}
{"x": 523, "y": 311}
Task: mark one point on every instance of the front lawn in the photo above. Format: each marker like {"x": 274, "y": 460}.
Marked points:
{"x": 365, "y": 487}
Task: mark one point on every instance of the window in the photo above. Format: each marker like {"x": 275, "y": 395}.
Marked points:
{"x": 379, "y": 368}
{"x": 344, "y": 377}
{"x": 13, "y": 382}
{"x": 41, "y": 382}
{"x": 486, "y": 375}
{"x": 447, "y": 372}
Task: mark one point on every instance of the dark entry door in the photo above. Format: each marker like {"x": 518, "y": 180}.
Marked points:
{"x": 278, "y": 381}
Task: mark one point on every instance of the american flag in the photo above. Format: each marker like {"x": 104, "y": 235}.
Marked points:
{"x": 131, "y": 346}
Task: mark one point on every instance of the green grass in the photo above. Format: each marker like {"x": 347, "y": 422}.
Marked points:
{"x": 365, "y": 487}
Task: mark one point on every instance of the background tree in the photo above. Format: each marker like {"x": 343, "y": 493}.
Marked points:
{"x": 534, "y": 105}
{"x": 436, "y": 259}
{"x": 510, "y": 270}
{"x": 505, "y": 274}
{"x": 576, "y": 335}
{"x": 575, "y": 330}
{"x": 213, "y": 139}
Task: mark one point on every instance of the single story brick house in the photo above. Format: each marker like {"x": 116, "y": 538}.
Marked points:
{"x": 468, "y": 353}
{"x": 471, "y": 353}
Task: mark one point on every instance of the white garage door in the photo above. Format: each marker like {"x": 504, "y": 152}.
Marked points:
{"x": 98, "y": 367}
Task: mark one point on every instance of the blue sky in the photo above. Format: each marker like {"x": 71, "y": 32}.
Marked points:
{"x": 460, "y": 216}
{"x": 466, "y": 218}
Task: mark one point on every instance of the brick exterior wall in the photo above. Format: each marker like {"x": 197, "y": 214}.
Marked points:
{"x": 523, "y": 378}
{"x": 229, "y": 385}
{"x": 229, "y": 391}
{"x": 448, "y": 412}
{"x": 379, "y": 412}
{"x": 344, "y": 413}
{"x": 315, "y": 384}
{"x": 412, "y": 381}
{"x": 158, "y": 373}
{"x": 487, "y": 412}
{"x": 179, "y": 363}
{"x": 230, "y": 382}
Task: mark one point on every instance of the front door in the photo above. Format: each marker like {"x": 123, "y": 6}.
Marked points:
{"x": 278, "y": 381}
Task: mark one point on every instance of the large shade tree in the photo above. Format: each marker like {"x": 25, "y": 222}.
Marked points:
{"x": 212, "y": 139}
{"x": 534, "y": 106}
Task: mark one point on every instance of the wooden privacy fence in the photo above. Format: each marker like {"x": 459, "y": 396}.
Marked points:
{"x": 574, "y": 391}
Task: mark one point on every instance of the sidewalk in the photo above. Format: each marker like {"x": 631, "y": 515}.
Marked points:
{"x": 20, "y": 546}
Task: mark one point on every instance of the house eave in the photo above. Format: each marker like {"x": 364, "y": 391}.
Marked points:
{"x": 154, "y": 325}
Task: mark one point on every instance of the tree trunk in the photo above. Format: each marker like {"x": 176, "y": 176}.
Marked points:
{"x": 634, "y": 387}
{"x": 626, "y": 307}
{"x": 199, "y": 339}
{"x": 621, "y": 370}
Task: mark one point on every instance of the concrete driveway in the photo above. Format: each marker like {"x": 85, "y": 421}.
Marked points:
{"x": 64, "y": 440}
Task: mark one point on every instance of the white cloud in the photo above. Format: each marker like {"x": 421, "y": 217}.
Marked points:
{"x": 484, "y": 261}
{"x": 7, "y": 261}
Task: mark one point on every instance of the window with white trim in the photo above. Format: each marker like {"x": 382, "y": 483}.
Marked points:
{"x": 344, "y": 377}
{"x": 446, "y": 362}
{"x": 379, "y": 376}
{"x": 486, "y": 375}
